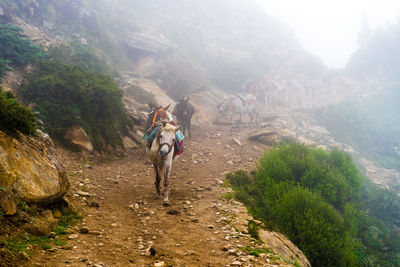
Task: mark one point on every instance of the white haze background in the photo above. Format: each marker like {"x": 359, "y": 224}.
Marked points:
{"x": 329, "y": 28}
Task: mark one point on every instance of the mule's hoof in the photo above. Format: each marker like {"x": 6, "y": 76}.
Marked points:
{"x": 166, "y": 203}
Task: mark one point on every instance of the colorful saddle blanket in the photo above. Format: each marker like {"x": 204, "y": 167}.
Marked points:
{"x": 178, "y": 147}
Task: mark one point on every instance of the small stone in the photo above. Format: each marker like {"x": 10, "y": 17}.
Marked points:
{"x": 114, "y": 225}
{"x": 83, "y": 193}
{"x": 100, "y": 244}
{"x": 73, "y": 236}
{"x": 211, "y": 227}
{"x": 225, "y": 248}
{"x": 236, "y": 263}
{"x": 94, "y": 233}
{"x": 152, "y": 251}
{"x": 94, "y": 204}
{"x": 172, "y": 212}
{"x": 232, "y": 252}
{"x": 57, "y": 214}
{"x": 195, "y": 220}
{"x": 69, "y": 231}
{"x": 236, "y": 141}
{"x": 84, "y": 230}
{"x": 137, "y": 206}
{"x": 159, "y": 264}
{"x": 24, "y": 255}
{"x": 52, "y": 235}
{"x": 178, "y": 245}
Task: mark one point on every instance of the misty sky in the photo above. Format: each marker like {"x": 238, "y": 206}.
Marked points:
{"x": 329, "y": 28}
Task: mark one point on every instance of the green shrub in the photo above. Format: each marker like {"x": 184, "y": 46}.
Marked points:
{"x": 83, "y": 56}
{"x": 15, "y": 48}
{"x": 253, "y": 230}
{"x": 316, "y": 228}
{"x": 320, "y": 200}
{"x": 68, "y": 220}
{"x": 67, "y": 95}
{"x": 14, "y": 117}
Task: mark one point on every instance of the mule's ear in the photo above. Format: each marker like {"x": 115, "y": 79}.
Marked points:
{"x": 187, "y": 99}
{"x": 167, "y": 107}
{"x": 164, "y": 124}
{"x": 177, "y": 128}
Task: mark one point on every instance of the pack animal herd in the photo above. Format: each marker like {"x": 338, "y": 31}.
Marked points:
{"x": 164, "y": 134}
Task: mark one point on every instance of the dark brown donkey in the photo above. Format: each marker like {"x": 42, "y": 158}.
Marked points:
{"x": 184, "y": 112}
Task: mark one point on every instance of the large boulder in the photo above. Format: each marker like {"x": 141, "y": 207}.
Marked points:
{"x": 30, "y": 170}
{"x": 7, "y": 203}
{"x": 77, "y": 136}
{"x": 283, "y": 246}
{"x": 267, "y": 137}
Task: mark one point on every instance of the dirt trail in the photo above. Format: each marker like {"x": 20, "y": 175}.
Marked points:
{"x": 200, "y": 229}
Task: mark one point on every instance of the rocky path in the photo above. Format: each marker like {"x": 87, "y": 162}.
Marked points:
{"x": 125, "y": 224}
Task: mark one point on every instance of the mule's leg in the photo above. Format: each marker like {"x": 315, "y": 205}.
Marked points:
{"x": 189, "y": 126}
{"x": 256, "y": 118}
{"x": 158, "y": 179}
{"x": 184, "y": 127}
{"x": 166, "y": 191}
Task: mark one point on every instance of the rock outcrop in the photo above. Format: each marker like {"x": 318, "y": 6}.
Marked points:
{"x": 283, "y": 246}
{"x": 77, "y": 136}
{"x": 147, "y": 42}
{"x": 30, "y": 171}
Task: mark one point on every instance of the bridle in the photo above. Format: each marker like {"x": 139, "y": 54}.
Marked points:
{"x": 170, "y": 146}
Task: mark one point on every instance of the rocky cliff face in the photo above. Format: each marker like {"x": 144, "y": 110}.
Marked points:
{"x": 30, "y": 171}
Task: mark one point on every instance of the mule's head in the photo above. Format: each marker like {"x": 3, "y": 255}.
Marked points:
{"x": 166, "y": 139}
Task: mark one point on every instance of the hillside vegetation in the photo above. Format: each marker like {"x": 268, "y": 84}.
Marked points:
{"x": 320, "y": 200}
{"x": 69, "y": 86}
{"x": 15, "y": 49}
{"x": 67, "y": 95}
{"x": 14, "y": 117}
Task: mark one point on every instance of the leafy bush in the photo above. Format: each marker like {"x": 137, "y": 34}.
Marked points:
{"x": 81, "y": 55}
{"x": 14, "y": 117}
{"x": 67, "y": 95}
{"x": 15, "y": 48}
{"x": 253, "y": 230}
{"x": 316, "y": 227}
{"x": 320, "y": 200}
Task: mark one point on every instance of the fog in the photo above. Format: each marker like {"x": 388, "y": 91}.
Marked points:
{"x": 329, "y": 29}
